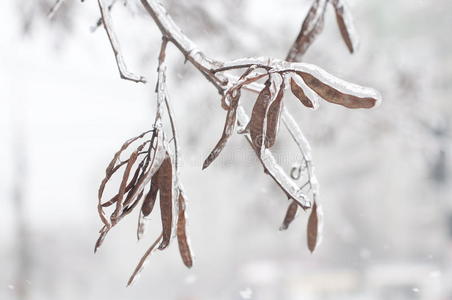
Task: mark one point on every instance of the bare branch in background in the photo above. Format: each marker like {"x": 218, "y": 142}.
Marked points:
{"x": 158, "y": 166}
{"x": 54, "y": 8}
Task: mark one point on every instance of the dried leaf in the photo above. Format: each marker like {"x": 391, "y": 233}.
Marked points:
{"x": 273, "y": 116}
{"x": 165, "y": 184}
{"x": 345, "y": 24}
{"x": 338, "y": 91}
{"x": 313, "y": 228}
{"x": 312, "y": 25}
{"x": 290, "y": 215}
{"x": 142, "y": 261}
{"x": 147, "y": 206}
{"x": 258, "y": 117}
{"x": 184, "y": 247}
{"x": 227, "y": 131}
{"x": 299, "y": 93}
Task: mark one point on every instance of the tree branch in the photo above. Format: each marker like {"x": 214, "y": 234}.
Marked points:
{"x": 55, "y": 7}
{"x": 108, "y": 25}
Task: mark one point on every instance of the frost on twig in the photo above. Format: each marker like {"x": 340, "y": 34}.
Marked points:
{"x": 155, "y": 166}
{"x": 108, "y": 25}
{"x": 155, "y": 174}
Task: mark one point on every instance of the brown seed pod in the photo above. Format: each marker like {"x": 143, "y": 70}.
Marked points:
{"x": 133, "y": 181}
{"x": 290, "y": 215}
{"x": 313, "y": 228}
{"x": 298, "y": 92}
{"x": 122, "y": 188}
{"x": 229, "y": 126}
{"x": 348, "y": 96}
{"x": 258, "y": 117}
{"x": 274, "y": 115}
{"x": 111, "y": 169}
{"x": 345, "y": 24}
{"x": 312, "y": 25}
{"x": 184, "y": 247}
{"x": 147, "y": 206}
{"x": 165, "y": 185}
{"x": 126, "y": 144}
{"x": 128, "y": 208}
{"x": 155, "y": 162}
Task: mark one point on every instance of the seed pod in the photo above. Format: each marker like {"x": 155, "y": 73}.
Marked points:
{"x": 165, "y": 185}
{"x": 338, "y": 91}
{"x": 298, "y": 91}
{"x": 145, "y": 177}
{"x": 274, "y": 115}
{"x": 313, "y": 227}
{"x": 258, "y": 117}
{"x": 184, "y": 247}
{"x": 122, "y": 188}
{"x": 131, "y": 185}
{"x": 111, "y": 169}
{"x": 147, "y": 206}
{"x": 227, "y": 131}
{"x": 312, "y": 25}
{"x": 290, "y": 215}
{"x": 128, "y": 208}
{"x": 345, "y": 24}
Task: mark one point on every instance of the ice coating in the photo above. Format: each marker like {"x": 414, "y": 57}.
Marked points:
{"x": 348, "y": 89}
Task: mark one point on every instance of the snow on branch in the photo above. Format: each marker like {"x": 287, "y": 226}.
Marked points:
{"x": 154, "y": 161}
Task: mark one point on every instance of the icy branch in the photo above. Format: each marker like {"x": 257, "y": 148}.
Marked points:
{"x": 108, "y": 25}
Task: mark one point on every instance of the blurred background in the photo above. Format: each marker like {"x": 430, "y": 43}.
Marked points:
{"x": 385, "y": 173}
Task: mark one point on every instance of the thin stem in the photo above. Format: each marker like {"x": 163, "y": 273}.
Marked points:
{"x": 108, "y": 25}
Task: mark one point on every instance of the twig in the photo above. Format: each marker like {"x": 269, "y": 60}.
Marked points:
{"x": 99, "y": 21}
{"x": 212, "y": 70}
{"x": 295, "y": 132}
{"x": 143, "y": 260}
{"x": 108, "y": 25}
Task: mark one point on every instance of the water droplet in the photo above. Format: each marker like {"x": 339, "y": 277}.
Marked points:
{"x": 415, "y": 290}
